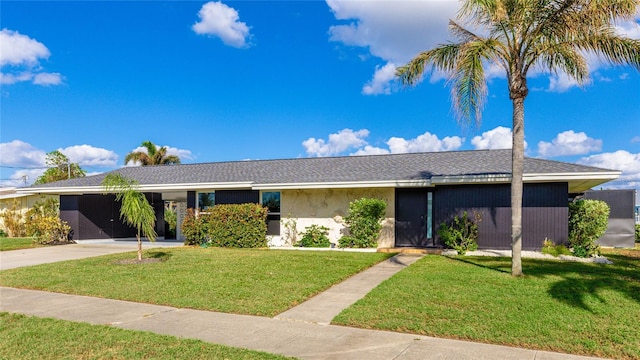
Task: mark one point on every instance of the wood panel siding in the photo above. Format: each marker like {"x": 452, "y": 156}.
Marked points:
{"x": 237, "y": 196}
{"x": 544, "y": 215}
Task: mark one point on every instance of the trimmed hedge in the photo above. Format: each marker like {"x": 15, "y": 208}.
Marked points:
{"x": 588, "y": 221}
{"x": 363, "y": 222}
{"x": 227, "y": 225}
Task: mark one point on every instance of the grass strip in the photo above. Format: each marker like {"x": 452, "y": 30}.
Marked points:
{"x": 28, "y": 337}
{"x": 578, "y": 308}
{"x": 7, "y": 243}
{"x": 242, "y": 281}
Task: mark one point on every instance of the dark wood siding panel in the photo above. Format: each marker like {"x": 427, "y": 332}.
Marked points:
{"x": 237, "y": 197}
{"x": 70, "y": 213}
{"x": 544, "y": 212}
{"x": 191, "y": 199}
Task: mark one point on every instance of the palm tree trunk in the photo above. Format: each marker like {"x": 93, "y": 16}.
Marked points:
{"x": 517, "y": 170}
{"x": 139, "y": 247}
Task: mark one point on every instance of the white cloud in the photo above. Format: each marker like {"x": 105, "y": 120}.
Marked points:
{"x": 569, "y": 143}
{"x": 18, "y": 49}
{"x": 424, "y": 143}
{"x": 382, "y": 80}
{"x": 21, "y": 154}
{"x": 394, "y": 31}
{"x": 622, "y": 160}
{"x": 498, "y": 138}
{"x": 20, "y": 58}
{"x": 47, "y": 79}
{"x": 347, "y": 139}
{"x": 87, "y": 155}
{"x": 220, "y": 20}
{"x": 338, "y": 142}
{"x": 371, "y": 150}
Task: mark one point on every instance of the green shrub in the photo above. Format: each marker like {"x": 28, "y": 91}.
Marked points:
{"x": 461, "y": 234}
{"x": 588, "y": 221}
{"x": 52, "y": 230}
{"x": 193, "y": 228}
{"x": 237, "y": 226}
{"x": 363, "y": 222}
{"x": 35, "y": 222}
{"x": 638, "y": 233}
{"x": 549, "y": 247}
{"x": 3, "y": 234}
{"x": 315, "y": 236}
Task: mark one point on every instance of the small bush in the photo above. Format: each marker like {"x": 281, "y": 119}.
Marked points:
{"x": 638, "y": 233}
{"x": 315, "y": 236}
{"x": 36, "y": 218}
{"x": 363, "y": 222}
{"x": 237, "y": 226}
{"x": 193, "y": 228}
{"x": 171, "y": 219}
{"x": 3, "y": 234}
{"x": 52, "y": 230}
{"x": 588, "y": 220}
{"x": 549, "y": 247}
{"x": 461, "y": 234}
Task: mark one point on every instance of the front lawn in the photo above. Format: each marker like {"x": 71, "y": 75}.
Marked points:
{"x": 569, "y": 307}
{"x": 244, "y": 281}
{"x": 26, "y": 337}
{"x": 8, "y": 243}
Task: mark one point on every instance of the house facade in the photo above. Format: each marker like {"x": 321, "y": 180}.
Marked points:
{"x": 421, "y": 190}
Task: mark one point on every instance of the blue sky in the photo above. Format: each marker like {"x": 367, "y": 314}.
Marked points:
{"x": 235, "y": 80}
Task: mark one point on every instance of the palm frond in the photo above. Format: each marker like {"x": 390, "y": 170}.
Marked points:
{"x": 442, "y": 58}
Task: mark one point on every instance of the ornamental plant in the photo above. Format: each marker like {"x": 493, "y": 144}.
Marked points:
{"x": 315, "y": 236}
{"x": 461, "y": 234}
{"x": 236, "y": 226}
{"x": 588, "y": 220}
{"x": 193, "y": 229}
{"x": 364, "y": 223}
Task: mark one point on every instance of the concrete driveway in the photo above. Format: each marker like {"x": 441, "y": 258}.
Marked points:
{"x": 49, "y": 254}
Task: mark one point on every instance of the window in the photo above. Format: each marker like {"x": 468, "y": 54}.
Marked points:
{"x": 271, "y": 199}
{"x": 206, "y": 200}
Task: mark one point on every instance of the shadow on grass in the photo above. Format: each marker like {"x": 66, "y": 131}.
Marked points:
{"x": 578, "y": 282}
{"x": 161, "y": 255}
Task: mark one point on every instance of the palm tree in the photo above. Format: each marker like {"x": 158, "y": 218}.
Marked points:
{"x": 153, "y": 156}
{"x": 135, "y": 209}
{"x": 518, "y": 35}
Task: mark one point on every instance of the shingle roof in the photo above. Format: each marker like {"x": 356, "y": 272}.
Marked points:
{"x": 391, "y": 167}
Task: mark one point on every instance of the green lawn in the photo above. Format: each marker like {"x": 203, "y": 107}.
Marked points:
{"x": 7, "y": 243}
{"x": 569, "y": 307}
{"x": 25, "y": 337}
{"x": 244, "y": 281}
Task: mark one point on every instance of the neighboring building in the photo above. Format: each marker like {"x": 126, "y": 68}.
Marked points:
{"x": 621, "y": 227}
{"x": 11, "y": 198}
{"x": 421, "y": 190}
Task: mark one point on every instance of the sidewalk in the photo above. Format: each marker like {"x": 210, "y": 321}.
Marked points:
{"x": 300, "y": 332}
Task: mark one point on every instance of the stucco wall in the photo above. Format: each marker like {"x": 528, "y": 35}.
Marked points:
{"x": 23, "y": 203}
{"x": 327, "y": 207}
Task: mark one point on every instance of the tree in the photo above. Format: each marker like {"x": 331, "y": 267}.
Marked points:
{"x": 519, "y": 35}
{"x": 135, "y": 209}
{"x": 60, "y": 168}
{"x": 153, "y": 156}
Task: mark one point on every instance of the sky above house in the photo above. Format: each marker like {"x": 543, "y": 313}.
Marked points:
{"x": 236, "y": 80}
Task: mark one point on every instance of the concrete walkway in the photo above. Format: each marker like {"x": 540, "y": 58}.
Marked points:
{"x": 301, "y": 332}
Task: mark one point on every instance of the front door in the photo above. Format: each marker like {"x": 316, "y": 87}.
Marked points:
{"x": 413, "y": 218}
